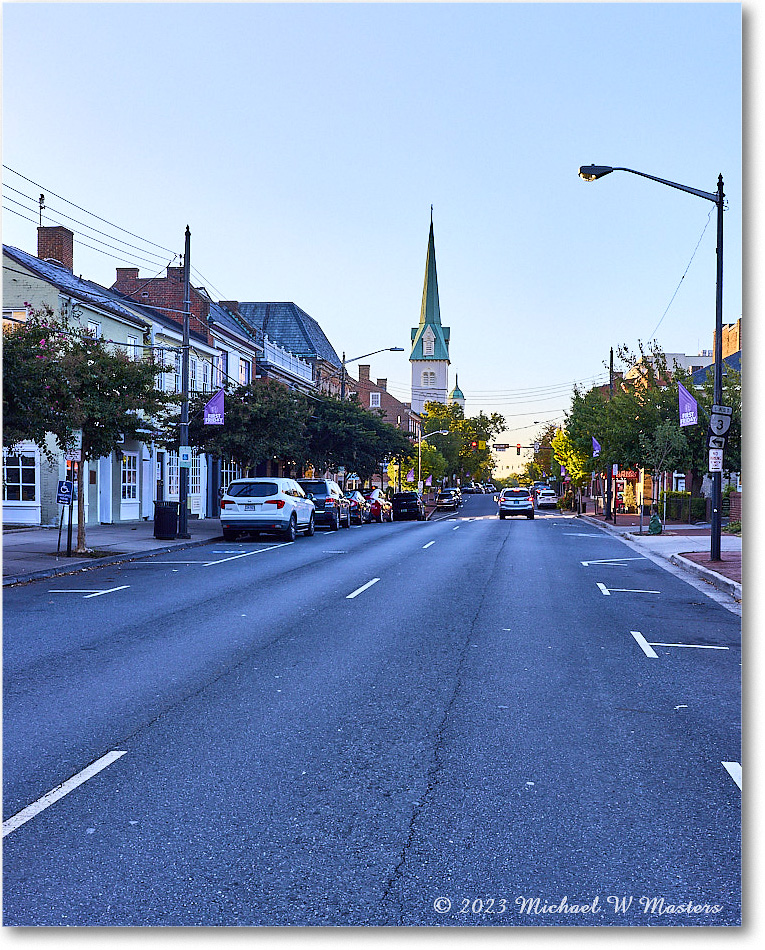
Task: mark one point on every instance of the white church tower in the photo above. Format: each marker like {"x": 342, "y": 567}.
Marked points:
{"x": 430, "y": 341}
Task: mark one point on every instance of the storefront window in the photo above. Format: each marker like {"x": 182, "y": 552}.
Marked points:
{"x": 19, "y": 481}
{"x": 129, "y": 476}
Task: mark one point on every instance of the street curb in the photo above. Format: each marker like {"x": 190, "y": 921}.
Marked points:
{"x": 711, "y": 577}
{"x": 81, "y": 567}
{"x": 725, "y": 584}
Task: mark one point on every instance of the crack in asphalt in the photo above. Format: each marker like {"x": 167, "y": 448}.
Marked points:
{"x": 436, "y": 765}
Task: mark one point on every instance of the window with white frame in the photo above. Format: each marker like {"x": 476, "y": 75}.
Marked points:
{"x": 222, "y": 368}
{"x": 245, "y": 369}
{"x": 428, "y": 379}
{"x": 195, "y": 482}
{"x": 374, "y": 400}
{"x": 205, "y": 376}
{"x": 129, "y": 476}
{"x": 19, "y": 477}
{"x": 94, "y": 329}
{"x": 132, "y": 347}
{"x": 427, "y": 346}
{"x": 178, "y": 381}
{"x": 173, "y": 474}
{"x": 192, "y": 375}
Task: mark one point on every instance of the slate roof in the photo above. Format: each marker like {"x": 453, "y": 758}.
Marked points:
{"x": 292, "y": 328}
{"x": 221, "y": 317}
{"x": 65, "y": 280}
{"x": 700, "y": 376}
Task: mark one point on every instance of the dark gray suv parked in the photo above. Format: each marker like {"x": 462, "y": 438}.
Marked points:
{"x": 332, "y": 507}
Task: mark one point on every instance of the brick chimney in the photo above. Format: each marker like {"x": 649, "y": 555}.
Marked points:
{"x": 382, "y": 383}
{"x": 231, "y": 305}
{"x": 56, "y": 244}
{"x": 364, "y": 372}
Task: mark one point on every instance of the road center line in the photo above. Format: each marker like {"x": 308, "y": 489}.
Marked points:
{"x": 427, "y": 545}
{"x": 361, "y": 590}
{"x": 734, "y": 770}
{"x": 604, "y": 590}
{"x": 633, "y": 590}
{"x": 59, "y": 791}
{"x": 644, "y": 645}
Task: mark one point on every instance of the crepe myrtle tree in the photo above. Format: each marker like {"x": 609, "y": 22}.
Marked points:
{"x": 59, "y": 379}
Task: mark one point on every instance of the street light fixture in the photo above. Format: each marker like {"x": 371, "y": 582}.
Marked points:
{"x": 592, "y": 173}
{"x": 385, "y": 349}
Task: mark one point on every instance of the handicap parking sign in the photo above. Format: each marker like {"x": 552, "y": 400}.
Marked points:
{"x": 64, "y": 494}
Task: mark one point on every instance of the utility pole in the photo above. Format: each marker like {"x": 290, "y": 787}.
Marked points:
{"x": 183, "y": 471}
{"x": 608, "y": 515}
{"x": 342, "y": 379}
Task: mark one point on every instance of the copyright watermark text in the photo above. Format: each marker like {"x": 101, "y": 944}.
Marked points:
{"x": 612, "y": 904}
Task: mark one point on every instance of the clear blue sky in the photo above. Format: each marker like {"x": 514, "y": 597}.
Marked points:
{"x": 304, "y": 145}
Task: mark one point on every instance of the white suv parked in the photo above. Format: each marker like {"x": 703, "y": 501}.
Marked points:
{"x": 266, "y": 504}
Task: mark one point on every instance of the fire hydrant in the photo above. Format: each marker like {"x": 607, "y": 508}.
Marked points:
{"x": 655, "y": 525}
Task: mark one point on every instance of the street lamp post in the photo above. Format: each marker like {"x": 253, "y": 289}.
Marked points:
{"x": 385, "y": 349}
{"x": 422, "y": 439}
{"x": 592, "y": 173}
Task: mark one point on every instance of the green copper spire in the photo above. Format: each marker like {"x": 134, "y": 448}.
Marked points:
{"x": 430, "y": 340}
{"x": 430, "y": 311}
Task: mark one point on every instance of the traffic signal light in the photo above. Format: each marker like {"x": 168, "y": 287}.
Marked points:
{"x": 473, "y": 445}
{"x": 518, "y": 449}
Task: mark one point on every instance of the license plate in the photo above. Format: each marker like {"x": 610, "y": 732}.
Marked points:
{"x": 251, "y": 507}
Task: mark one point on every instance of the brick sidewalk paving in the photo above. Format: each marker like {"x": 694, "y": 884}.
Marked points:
{"x": 729, "y": 566}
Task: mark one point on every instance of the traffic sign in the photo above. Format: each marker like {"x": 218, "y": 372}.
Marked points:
{"x": 65, "y": 493}
{"x": 719, "y": 422}
{"x": 717, "y": 441}
{"x": 715, "y": 460}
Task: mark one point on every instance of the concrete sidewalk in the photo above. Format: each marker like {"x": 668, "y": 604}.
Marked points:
{"x": 30, "y": 553}
{"x": 687, "y": 547}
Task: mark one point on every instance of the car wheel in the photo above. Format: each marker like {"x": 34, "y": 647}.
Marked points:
{"x": 290, "y": 532}
{"x": 229, "y": 534}
{"x": 311, "y": 529}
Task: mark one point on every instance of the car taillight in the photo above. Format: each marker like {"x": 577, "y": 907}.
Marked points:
{"x": 329, "y": 503}
{"x": 224, "y": 503}
{"x": 279, "y": 502}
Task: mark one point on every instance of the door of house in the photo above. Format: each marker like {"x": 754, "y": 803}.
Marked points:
{"x": 160, "y": 476}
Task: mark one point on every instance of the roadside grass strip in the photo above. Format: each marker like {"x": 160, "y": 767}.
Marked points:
{"x": 734, "y": 770}
{"x": 49, "y": 798}
{"x": 360, "y": 590}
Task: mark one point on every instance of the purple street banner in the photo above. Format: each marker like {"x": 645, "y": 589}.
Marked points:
{"x": 213, "y": 411}
{"x": 410, "y": 475}
{"x": 595, "y": 447}
{"x": 689, "y": 409}
{"x": 429, "y": 480}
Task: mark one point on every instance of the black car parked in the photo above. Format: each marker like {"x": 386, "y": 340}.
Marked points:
{"x": 361, "y": 510}
{"x": 408, "y": 504}
{"x": 332, "y": 507}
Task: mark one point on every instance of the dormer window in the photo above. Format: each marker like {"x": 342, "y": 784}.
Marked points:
{"x": 428, "y": 342}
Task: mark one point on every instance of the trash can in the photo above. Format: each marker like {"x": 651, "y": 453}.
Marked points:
{"x": 165, "y": 520}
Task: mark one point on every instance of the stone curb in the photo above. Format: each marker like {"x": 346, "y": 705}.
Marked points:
{"x": 711, "y": 577}
{"x": 725, "y": 584}
{"x": 82, "y": 566}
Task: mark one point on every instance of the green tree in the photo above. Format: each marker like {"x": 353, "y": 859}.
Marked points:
{"x": 91, "y": 385}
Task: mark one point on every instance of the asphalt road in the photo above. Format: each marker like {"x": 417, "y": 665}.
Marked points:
{"x": 452, "y": 723}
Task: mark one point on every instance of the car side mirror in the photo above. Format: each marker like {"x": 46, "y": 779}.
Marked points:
{"x": 496, "y": 498}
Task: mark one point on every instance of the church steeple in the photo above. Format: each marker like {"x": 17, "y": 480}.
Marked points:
{"x": 430, "y": 339}
{"x": 430, "y": 312}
